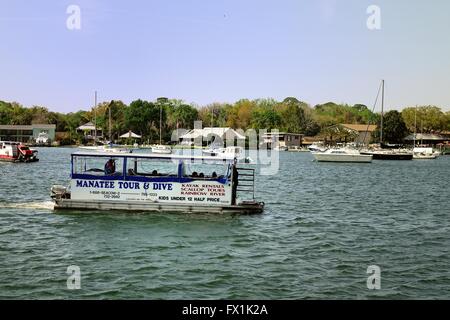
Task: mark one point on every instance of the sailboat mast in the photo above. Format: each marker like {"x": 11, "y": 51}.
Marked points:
{"x": 212, "y": 120}
{"x": 382, "y": 112}
{"x": 95, "y": 119}
{"x": 110, "y": 139}
{"x": 160, "y": 122}
{"x": 415, "y": 125}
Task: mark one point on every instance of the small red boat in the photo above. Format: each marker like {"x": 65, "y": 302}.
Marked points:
{"x": 17, "y": 152}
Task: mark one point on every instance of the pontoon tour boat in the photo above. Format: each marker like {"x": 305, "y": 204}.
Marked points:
{"x": 17, "y": 152}
{"x": 149, "y": 182}
{"x": 342, "y": 155}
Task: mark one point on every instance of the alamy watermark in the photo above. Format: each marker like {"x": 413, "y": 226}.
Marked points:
{"x": 374, "y": 19}
{"x": 73, "y": 21}
{"x": 258, "y": 146}
{"x": 374, "y": 280}
{"x": 74, "y": 279}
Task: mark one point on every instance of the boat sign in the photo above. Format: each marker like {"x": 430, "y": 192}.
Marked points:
{"x": 207, "y": 192}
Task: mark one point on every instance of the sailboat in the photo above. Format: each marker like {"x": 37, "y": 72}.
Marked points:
{"x": 95, "y": 147}
{"x": 421, "y": 153}
{"x": 109, "y": 146}
{"x": 387, "y": 154}
{"x": 160, "y": 148}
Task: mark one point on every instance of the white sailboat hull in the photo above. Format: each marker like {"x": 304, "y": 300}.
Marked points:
{"x": 322, "y": 157}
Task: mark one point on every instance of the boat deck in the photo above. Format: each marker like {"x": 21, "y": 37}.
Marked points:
{"x": 243, "y": 208}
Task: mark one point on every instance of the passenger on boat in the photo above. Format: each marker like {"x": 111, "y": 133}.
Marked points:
{"x": 110, "y": 166}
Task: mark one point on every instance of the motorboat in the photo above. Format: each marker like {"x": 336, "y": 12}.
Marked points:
{"x": 230, "y": 152}
{"x": 161, "y": 149}
{"x": 317, "y": 147}
{"x": 43, "y": 139}
{"x": 280, "y": 148}
{"x": 341, "y": 155}
{"x": 424, "y": 154}
{"x": 108, "y": 148}
{"x": 157, "y": 182}
{"x": 298, "y": 149}
{"x": 12, "y": 151}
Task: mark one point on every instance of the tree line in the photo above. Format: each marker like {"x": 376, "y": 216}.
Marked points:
{"x": 289, "y": 115}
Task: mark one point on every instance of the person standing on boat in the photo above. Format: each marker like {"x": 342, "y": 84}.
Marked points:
{"x": 110, "y": 166}
{"x": 235, "y": 181}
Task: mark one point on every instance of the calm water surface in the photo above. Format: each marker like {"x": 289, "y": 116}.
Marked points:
{"x": 324, "y": 224}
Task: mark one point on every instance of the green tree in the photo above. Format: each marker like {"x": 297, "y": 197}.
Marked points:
{"x": 184, "y": 116}
{"x": 429, "y": 118}
{"x": 292, "y": 115}
{"x": 240, "y": 114}
{"x": 141, "y": 116}
{"x": 394, "y": 128}
{"x": 267, "y": 119}
{"x": 447, "y": 116}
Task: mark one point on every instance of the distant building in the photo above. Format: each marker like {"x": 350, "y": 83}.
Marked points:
{"x": 88, "y": 130}
{"x": 429, "y": 139}
{"x": 282, "y": 139}
{"x": 358, "y": 133}
{"x": 27, "y": 133}
{"x": 212, "y": 135}
{"x": 307, "y": 141}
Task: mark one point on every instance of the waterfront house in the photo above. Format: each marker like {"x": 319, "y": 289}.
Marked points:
{"x": 27, "y": 133}
{"x": 89, "y": 132}
{"x": 212, "y": 135}
{"x": 282, "y": 139}
{"x": 357, "y": 133}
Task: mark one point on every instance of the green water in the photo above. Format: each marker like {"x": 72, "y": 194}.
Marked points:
{"x": 324, "y": 224}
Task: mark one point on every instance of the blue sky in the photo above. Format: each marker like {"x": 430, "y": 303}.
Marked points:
{"x": 206, "y": 51}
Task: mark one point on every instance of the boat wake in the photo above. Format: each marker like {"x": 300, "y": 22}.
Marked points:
{"x": 28, "y": 205}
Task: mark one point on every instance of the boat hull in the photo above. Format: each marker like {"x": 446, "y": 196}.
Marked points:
{"x": 161, "y": 151}
{"x": 16, "y": 160}
{"x": 320, "y": 157}
{"x": 70, "y": 204}
{"x": 389, "y": 156}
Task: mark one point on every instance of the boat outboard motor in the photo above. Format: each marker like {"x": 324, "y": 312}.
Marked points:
{"x": 58, "y": 191}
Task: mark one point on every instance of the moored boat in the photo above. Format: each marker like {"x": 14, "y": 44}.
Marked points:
{"x": 386, "y": 151}
{"x": 280, "y": 148}
{"x": 424, "y": 154}
{"x": 341, "y": 155}
{"x": 228, "y": 152}
{"x": 17, "y": 152}
{"x": 389, "y": 154}
{"x": 161, "y": 149}
{"x": 317, "y": 147}
{"x": 149, "y": 182}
